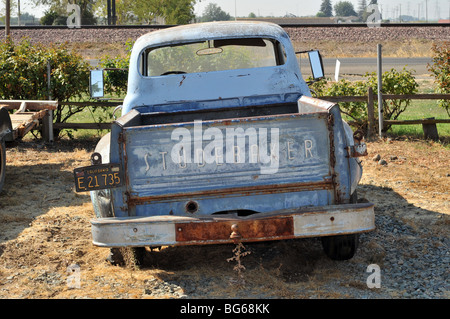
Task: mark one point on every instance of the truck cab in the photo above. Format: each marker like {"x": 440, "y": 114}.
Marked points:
{"x": 220, "y": 141}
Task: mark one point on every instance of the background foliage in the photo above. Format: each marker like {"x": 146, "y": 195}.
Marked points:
{"x": 115, "y": 81}
{"x": 394, "y": 82}
{"x": 23, "y": 75}
{"x": 441, "y": 71}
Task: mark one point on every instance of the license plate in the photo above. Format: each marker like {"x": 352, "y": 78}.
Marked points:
{"x": 95, "y": 177}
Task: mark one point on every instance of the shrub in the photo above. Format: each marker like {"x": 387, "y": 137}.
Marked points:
{"x": 116, "y": 80}
{"x": 394, "y": 82}
{"x": 49, "y": 17}
{"x": 441, "y": 71}
{"x": 23, "y": 75}
{"x": 357, "y": 111}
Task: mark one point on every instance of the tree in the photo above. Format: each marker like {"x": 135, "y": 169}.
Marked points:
{"x": 441, "y": 71}
{"x": 125, "y": 11}
{"x": 178, "y": 11}
{"x": 49, "y": 17}
{"x": 144, "y": 11}
{"x": 362, "y": 7}
{"x": 213, "y": 12}
{"x": 344, "y": 9}
{"x": 12, "y": 7}
{"x": 326, "y": 10}
{"x": 60, "y": 7}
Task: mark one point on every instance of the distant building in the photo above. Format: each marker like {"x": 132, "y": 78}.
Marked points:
{"x": 349, "y": 19}
{"x": 444, "y": 21}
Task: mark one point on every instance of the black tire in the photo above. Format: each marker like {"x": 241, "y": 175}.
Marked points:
{"x": 132, "y": 257}
{"x": 342, "y": 247}
{"x": 2, "y": 163}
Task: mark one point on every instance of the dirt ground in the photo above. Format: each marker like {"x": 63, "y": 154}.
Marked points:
{"x": 45, "y": 240}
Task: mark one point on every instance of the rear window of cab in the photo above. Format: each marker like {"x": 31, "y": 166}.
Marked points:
{"x": 212, "y": 55}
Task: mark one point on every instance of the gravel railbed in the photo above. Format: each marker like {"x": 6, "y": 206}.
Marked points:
{"x": 365, "y": 35}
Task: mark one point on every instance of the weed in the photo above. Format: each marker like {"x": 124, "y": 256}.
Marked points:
{"x": 239, "y": 251}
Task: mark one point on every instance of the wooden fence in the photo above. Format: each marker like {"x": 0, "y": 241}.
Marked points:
{"x": 429, "y": 125}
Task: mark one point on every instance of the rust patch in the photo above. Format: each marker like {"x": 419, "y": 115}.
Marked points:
{"x": 250, "y": 230}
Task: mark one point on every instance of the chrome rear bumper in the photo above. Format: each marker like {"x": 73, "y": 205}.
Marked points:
{"x": 213, "y": 229}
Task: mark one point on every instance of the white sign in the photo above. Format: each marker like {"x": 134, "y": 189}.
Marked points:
{"x": 336, "y": 71}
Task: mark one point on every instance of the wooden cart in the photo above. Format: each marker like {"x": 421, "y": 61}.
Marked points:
{"x": 28, "y": 116}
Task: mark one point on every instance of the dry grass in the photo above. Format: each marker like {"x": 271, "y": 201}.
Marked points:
{"x": 97, "y": 50}
{"x": 418, "y": 172}
{"x": 45, "y": 228}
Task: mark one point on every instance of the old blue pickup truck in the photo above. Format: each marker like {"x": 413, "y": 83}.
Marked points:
{"x": 220, "y": 141}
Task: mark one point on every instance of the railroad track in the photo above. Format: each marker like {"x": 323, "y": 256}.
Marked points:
{"x": 156, "y": 26}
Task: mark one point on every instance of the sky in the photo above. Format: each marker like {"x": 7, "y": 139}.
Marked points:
{"x": 389, "y": 8}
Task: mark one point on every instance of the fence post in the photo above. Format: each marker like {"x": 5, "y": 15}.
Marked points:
{"x": 370, "y": 113}
{"x": 7, "y": 18}
{"x": 47, "y": 121}
{"x": 430, "y": 130}
{"x": 380, "y": 96}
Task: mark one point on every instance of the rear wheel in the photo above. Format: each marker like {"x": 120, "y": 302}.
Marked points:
{"x": 341, "y": 247}
{"x": 2, "y": 163}
{"x": 132, "y": 257}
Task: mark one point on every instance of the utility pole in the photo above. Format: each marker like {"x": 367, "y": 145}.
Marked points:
{"x": 7, "y": 18}
{"x": 18, "y": 12}
{"x": 426, "y": 10}
{"x": 111, "y": 12}
{"x": 380, "y": 85}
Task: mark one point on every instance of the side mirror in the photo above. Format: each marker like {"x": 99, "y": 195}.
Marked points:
{"x": 315, "y": 59}
{"x": 96, "y": 83}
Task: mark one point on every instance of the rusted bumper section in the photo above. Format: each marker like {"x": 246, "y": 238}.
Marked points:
{"x": 173, "y": 230}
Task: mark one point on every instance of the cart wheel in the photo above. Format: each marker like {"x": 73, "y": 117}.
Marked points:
{"x": 2, "y": 163}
